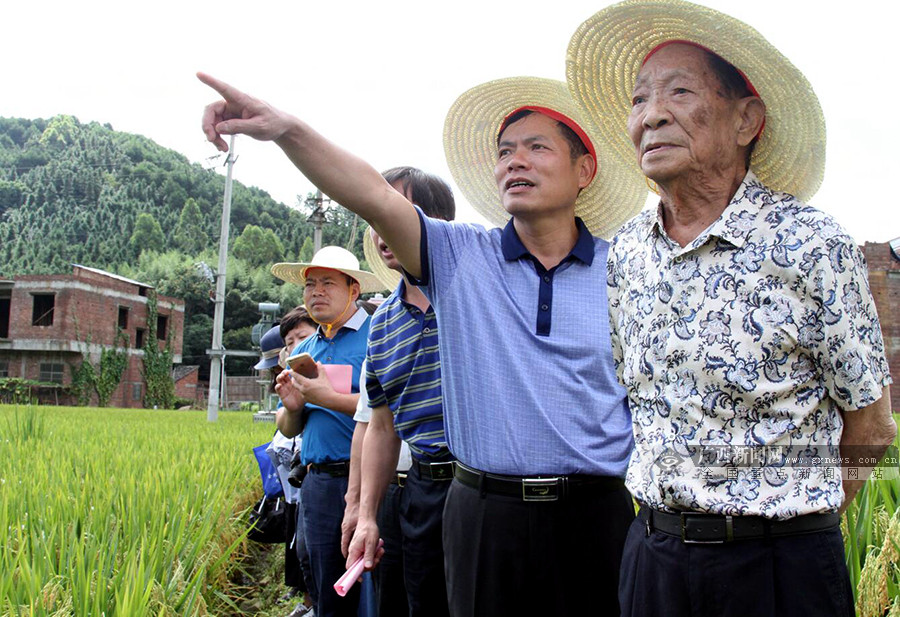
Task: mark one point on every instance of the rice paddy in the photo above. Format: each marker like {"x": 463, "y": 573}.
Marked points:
{"x": 133, "y": 512}
{"x": 121, "y": 512}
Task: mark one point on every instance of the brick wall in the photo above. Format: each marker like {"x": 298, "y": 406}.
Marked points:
{"x": 186, "y": 384}
{"x": 240, "y": 390}
{"x": 83, "y": 312}
{"x": 884, "y": 281}
{"x": 87, "y": 306}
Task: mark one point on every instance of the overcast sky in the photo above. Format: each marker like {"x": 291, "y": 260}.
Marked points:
{"x": 378, "y": 77}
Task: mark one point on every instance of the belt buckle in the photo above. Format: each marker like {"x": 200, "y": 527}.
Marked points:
{"x": 441, "y": 471}
{"x": 401, "y": 479}
{"x": 727, "y": 536}
{"x": 540, "y": 489}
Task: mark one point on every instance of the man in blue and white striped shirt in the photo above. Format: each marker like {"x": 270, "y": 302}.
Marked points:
{"x": 403, "y": 379}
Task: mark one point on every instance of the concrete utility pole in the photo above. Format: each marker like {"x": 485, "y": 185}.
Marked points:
{"x": 317, "y": 218}
{"x": 217, "y": 366}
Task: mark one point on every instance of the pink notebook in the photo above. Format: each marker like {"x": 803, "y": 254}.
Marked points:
{"x": 340, "y": 376}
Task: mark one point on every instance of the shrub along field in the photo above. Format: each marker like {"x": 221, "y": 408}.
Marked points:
{"x": 134, "y": 512}
{"x": 122, "y": 512}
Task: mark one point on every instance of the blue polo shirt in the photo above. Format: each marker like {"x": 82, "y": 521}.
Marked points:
{"x": 528, "y": 377}
{"x": 403, "y": 371}
{"x": 328, "y": 433}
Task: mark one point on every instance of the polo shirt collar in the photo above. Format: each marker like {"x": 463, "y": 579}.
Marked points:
{"x": 513, "y": 249}
{"x": 354, "y": 323}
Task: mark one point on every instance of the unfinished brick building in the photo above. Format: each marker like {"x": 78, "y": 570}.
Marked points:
{"x": 47, "y": 322}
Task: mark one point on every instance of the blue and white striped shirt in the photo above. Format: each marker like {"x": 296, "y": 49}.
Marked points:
{"x": 403, "y": 370}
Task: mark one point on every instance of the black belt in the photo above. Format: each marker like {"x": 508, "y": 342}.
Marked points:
{"x": 399, "y": 479}
{"x": 340, "y": 469}
{"x": 549, "y": 488}
{"x": 436, "y": 472}
{"x": 702, "y": 528}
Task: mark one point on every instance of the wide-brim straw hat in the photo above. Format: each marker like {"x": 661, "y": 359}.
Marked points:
{"x": 617, "y": 192}
{"x": 334, "y": 258}
{"x": 390, "y": 278}
{"x": 607, "y": 51}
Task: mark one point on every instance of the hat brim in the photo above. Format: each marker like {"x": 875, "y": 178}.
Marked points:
{"x": 296, "y": 273}
{"x": 617, "y": 192}
{"x": 606, "y": 53}
{"x": 267, "y": 363}
{"x": 388, "y": 277}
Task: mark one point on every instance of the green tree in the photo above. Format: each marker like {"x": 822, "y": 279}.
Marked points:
{"x": 11, "y": 194}
{"x": 60, "y": 132}
{"x": 147, "y": 235}
{"x": 258, "y": 246}
{"x": 189, "y": 236}
{"x": 306, "y": 251}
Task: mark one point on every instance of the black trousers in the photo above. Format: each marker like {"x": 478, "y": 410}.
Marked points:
{"x": 293, "y": 573}
{"x": 781, "y": 576}
{"x": 505, "y": 556}
{"x": 390, "y": 590}
{"x": 422, "y": 522}
{"x": 322, "y": 503}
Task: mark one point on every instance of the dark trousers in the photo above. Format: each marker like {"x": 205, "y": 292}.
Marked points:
{"x": 303, "y": 557}
{"x": 293, "y": 572}
{"x": 505, "y": 556}
{"x": 421, "y": 519}
{"x": 322, "y": 501}
{"x": 781, "y": 576}
{"x": 390, "y": 590}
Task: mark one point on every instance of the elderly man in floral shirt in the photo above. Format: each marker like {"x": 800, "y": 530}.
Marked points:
{"x": 743, "y": 326}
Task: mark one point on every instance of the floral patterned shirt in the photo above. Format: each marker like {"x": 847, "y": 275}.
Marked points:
{"x": 739, "y": 351}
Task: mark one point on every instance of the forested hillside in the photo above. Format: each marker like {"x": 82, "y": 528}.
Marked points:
{"x": 84, "y": 193}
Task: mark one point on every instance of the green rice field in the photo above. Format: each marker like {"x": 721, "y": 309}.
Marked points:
{"x": 122, "y": 512}
{"x": 137, "y": 512}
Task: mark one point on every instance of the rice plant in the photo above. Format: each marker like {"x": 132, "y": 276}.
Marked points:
{"x": 871, "y": 528}
{"x": 121, "y": 512}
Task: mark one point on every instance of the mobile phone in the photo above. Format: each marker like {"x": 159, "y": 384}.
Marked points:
{"x": 303, "y": 364}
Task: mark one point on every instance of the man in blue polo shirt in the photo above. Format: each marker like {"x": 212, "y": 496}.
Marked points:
{"x": 403, "y": 375}
{"x": 532, "y": 408}
{"x": 323, "y": 410}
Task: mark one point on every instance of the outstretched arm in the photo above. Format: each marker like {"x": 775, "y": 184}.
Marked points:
{"x": 342, "y": 176}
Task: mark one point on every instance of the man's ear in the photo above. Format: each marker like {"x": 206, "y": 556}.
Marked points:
{"x": 586, "y": 170}
{"x": 752, "y": 114}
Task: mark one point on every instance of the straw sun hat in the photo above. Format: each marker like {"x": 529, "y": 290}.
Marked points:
{"x": 334, "y": 258}
{"x": 390, "y": 278}
{"x": 606, "y": 53}
{"x": 616, "y": 193}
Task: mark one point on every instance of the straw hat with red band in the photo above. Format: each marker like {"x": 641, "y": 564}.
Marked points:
{"x": 332, "y": 258}
{"x": 475, "y": 120}
{"x": 607, "y": 52}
